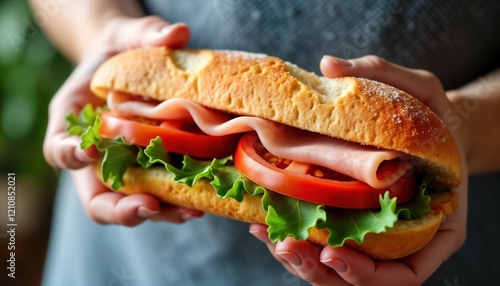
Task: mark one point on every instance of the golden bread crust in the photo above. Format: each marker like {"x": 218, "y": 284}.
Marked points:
{"x": 353, "y": 109}
{"x": 404, "y": 239}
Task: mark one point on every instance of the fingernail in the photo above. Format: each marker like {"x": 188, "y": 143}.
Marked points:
{"x": 166, "y": 29}
{"x": 339, "y": 61}
{"x": 84, "y": 156}
{"x": 144, "y": 212}
{"x": 291, "y": 257}
{"x": 335, "y": 263}
{"x": 186, "y": 217}
{"x": 159, "y": 30}
{"x": 259, "y": 234}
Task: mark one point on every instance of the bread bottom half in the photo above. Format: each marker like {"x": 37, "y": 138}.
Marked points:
{"x": 405, "y": 238}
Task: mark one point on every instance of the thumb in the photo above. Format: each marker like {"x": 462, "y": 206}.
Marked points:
{"x": 173, "y": 36}
{"x": 421, "y": 84}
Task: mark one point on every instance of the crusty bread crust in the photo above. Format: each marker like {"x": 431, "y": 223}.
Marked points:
{"x": 405, "y": 238}
{"x": 353, "y": 109}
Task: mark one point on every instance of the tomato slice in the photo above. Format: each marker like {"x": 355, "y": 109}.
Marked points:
{"x": 182, "y": 137}
{"x": 312, "y": 183}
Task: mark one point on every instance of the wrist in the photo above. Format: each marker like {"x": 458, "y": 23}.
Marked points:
{"x": 476, "y": 115}
{"x": 460, "y": 119}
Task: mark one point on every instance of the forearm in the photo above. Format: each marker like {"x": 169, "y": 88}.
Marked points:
{"x": 476, "y": 117}
{"x": 74, "y": 26}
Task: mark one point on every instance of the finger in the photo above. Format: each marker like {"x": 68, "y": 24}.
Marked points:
{"x": 111, "y": 207}
{"x": 105, "y": 206}
{"x": 260, "y": 232}
{"x": 149, "y": 31}
{"x": 60, "y": 149}
{"x": 359, "y": 269}
{"x": 176, "y": 214}
{"x": 304, "y": 257}
{"x": 64, "y": 152}
{"x": 449, "y": 238}
{"x": 173, "y": 36}
{"x": 419, "y": 83}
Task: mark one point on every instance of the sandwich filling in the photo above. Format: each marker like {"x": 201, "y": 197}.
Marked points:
{"x": 286, "y": 216}
{"x": 376, "y": 167}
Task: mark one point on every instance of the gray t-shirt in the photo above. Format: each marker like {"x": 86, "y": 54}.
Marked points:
{"x": 457, "y": 41}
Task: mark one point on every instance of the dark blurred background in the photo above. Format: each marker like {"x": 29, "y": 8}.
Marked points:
{"x": 31, "y": 71}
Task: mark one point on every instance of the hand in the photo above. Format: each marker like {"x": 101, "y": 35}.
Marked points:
{"x": 63, "y": 151}
{"x": 344, "y": 266}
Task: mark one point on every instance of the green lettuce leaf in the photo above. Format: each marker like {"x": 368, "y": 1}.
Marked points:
{"x": 77, "y": 125}
{"x": 344, "y": 224}
{"x": 228, "y": 182}
{"x": 154, "y": 153}
{"x": 354, "y": 224}
{"x": 287, "y": 216}
{"x": 117, "y": 155}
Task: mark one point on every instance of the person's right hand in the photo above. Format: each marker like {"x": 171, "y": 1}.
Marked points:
{"x": 345, "y": 266}
{"x": 63, "y": 151}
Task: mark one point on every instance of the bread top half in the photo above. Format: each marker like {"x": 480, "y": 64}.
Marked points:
{"x": 353, "y": 109}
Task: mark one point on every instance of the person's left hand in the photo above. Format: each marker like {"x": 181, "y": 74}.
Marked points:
{"x": 345, "y": 266}
{"x": 62, "y": 150}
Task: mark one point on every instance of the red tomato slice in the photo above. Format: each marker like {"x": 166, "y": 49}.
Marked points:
{"x": 177, "y": 136}
{"x": 301, "y": 182}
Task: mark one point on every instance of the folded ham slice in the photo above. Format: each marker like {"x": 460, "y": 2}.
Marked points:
{"x": 376, "y": 167}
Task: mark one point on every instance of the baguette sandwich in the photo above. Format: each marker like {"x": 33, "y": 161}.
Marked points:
{"x": 340, "y": 162}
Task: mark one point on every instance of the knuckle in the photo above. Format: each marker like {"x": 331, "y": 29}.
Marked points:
{"x": 429, "y": 77}
{"x": 94, "y": 212}
{"x": 94, "y": 216}
{"x": 377, "y": 64}
{"x": 54, "y": 102}
{"x": 362, "y": 280}
{"x": 148, "y": 20}
{"x": 142, "y": 24}
{"x": 69, "y": 160}
{"x": 125, "y": 218}
{"x": 375, "y": 60}
{"x": 47, "y": 153}
{"x": 426, "y": 74}
{"x": 119, "y": 34}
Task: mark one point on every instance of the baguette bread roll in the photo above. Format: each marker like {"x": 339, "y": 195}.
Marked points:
{"x": 405, "y": 238}
{"x": 352, "y": 109}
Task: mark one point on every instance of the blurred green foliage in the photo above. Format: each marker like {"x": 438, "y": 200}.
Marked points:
{"x": 31, "y": 71}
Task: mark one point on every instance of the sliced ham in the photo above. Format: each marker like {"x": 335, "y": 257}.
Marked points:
{"x": 378, "y": 168}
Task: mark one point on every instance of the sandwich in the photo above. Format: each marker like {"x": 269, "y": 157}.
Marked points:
{"x": 336, "y": 161}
